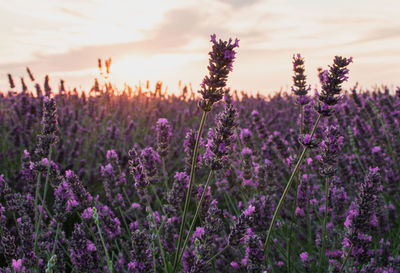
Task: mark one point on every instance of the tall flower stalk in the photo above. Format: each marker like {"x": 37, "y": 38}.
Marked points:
{"x": 331, "y": 88}
{"x": 300, "y": 90}
{"x": 330, "y": 150}
{"x": 220, "y": 64}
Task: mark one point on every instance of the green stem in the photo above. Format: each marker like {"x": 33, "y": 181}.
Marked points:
{"x": 301, "y": 119}
{"x": 323, "y": 237}
{"x": 291, "y": 224}
{"x": 55, "y": 240}
{"x": 109, "y": 263}
{"x": 126, "y": 225}
{"x": 37, "y": 196}
{"x": 154, "y": 256}
{"x": 157, "y": 198}
{"x": 164, "y": 173}
{"x": 195, "y": 217}
{"x": 218, "y": 253}
{"x": 288, "y": 185}
{"x": 37, "y": 225}
{"x": 191, "y": 182}
{"x": 345, "y": 260}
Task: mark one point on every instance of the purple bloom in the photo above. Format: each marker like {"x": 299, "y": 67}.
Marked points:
{"x": 17, "y": 265}
{"x": 177, "y": 194}
{"x": 241, "y": 224}
{"x": 188, "y": 146}
{"x": 254, "y": 254}
{"x": 304, "y": 257}
{"x": 141, "y": 253}
{"x": 219, "y": 142}
{"x": 150, "y": 160}
{"x": 358, "y": 221}
{"x": 49, "y": 128}
{"x": 80, "y": 193}
{"x": 220, "y": 64}
{"x": 137, "y": 170}
{"x": 87, "y": 213}
{"x": 163, "y": 136}
{"x": 300, "y": 88}
{"x": 331, "y": 84}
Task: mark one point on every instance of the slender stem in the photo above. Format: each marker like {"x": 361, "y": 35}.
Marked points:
{"x": 37, "y": 196}
{"x": 37, "y": 224}
{"x": 288, "y": 185}
{"x": 301, "y": 119}
{"x": 195, "y": 216}
{"x": 109, "y": 263}
{"x": 164, "y": 173}
{"x": 291, "y": 225}
{"x": 157, "y": 198}
{"x": 345, "y": 260}
{"x": 191, "y": 182}
{"x": 323, "y": 237}
{"x": 55, "y": 240}
{"x": 154, "y": 256}
{"x": 294, "y": 203}
{"x": 126, "y": 225}
{"x": 218, "y": 253}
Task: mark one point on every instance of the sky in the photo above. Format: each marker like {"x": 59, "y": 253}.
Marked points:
{"x": 169, "y": 40}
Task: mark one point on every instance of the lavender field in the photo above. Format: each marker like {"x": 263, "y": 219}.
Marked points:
{"x": 140, "y": 180}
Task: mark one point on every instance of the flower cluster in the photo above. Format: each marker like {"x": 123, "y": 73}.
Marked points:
{"x": 220, "y": 64}
{"x": 332, "y": 80}
{"x": 219, "y": 141}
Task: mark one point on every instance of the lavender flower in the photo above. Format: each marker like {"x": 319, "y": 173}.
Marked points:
{"x": 137, "y": 171}
{"x": 331, "y": 84}
{"x": 141, "y": 257}
{"x": 359, "y": 222}
{"x": 64, "y": 202}
{"x": 306, "y": 261}
{"x": 254, "y": 254}
{"x": 219, "y": 142}
{"x": 11, "y": 81}
{"x": 245, "y": 137}
{"x": 49, "y": 129}
{"x": 188, "y": 144}
{"x": 247, "y": 163}
{"x": 177, "y": 194}
{"x": 47, "y": 88}
{"x": 23, "y": 84}
{"x": 30, "y": 74}
{"x": 83, "y": 197}
{"x": 163, "y": 136}
{"x": 330, "y": 149}
{"x": 83, "y": 252}
{"x": 300, "y": 88}
{"x": 220, "y": 64}
{"x": 150, "y": 160}
{"x": 241, "y": 224}
{"x": 212, "y": 226}
{"x": 258, "y": 123}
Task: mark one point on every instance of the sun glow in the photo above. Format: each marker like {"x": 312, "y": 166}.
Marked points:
{"x": 134, "y": 68}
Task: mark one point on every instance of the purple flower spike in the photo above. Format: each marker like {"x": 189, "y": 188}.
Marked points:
{"x": 332, "y": 84}
{"x": 220, "y": 64}
{"x": 300, "y": 88}
{"x": 163, "y": 136}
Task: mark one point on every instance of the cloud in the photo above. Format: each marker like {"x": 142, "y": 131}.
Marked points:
{"x": 239, "y": 3}
{"x": 171, "y": 35}
{"x": 73, "y": 13}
